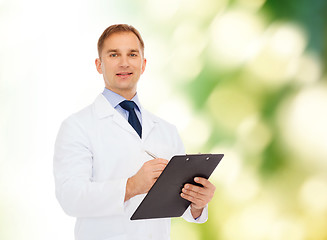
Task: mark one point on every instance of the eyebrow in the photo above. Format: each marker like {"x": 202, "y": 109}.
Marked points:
{"x": 116, "y": 50}
{"x": 112, "y": 50}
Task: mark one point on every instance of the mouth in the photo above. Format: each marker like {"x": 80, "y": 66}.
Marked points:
{"x": 124, "y": 74}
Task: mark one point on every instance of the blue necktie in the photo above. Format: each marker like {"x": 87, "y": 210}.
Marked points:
{"x": 132, "y": 118}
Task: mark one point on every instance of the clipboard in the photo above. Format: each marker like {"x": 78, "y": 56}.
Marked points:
{"x": 163, "y": 199}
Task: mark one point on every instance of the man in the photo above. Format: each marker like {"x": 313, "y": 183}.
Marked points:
{"x": 102, "y": 171}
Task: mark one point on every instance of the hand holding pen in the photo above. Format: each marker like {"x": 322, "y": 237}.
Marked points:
{"x": 144, "y": 179}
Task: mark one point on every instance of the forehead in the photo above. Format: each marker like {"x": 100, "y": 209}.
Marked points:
{"x": 122, "y": 41}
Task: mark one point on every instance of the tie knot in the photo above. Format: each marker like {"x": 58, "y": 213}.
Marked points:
{"x": 128, "y": 105}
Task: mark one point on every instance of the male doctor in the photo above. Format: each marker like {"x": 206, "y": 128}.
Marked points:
{"x": 101, "y": 166}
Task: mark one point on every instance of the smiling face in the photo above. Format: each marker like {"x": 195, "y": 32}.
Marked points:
{"x": 121, "y": 62}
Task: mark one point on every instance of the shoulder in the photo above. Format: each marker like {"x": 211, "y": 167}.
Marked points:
{"x": 76, "y": 125}
{"x": 158, "y": 119}
{"x": 99, "y": 108}
{"x": 81, "y": 115}
{"x": 84, "y": 117}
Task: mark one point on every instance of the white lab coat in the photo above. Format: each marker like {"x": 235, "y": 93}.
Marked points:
{"x": 96, "y": 151}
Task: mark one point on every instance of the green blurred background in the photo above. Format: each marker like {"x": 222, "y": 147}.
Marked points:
{"x": 246, "y": 78}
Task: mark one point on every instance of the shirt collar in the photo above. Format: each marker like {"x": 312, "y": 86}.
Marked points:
{"x": 114, "y": 98}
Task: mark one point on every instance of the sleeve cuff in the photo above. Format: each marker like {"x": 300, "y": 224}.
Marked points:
{"x": 201, "y": 219}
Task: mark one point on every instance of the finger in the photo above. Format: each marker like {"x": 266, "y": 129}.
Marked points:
{"x": 161, "y": 165}
{"x": 163, "y": 160}
{"x": 198, "y": 202}
{"x": 154, "y": 167}
{"x": 203, "y": 193}
{"x": 158, "y": 161}
{"x": 158, "y": 168}
{"x": 202, "y": 196}
{"x": 196, "y": 189}
{"x": 204, "y": 182}
{"x": 156, "y": 174}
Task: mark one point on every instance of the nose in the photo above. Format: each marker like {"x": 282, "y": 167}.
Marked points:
{"x": 124, "y": 62}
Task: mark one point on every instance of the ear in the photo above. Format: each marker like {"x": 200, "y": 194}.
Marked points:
{"x": 98, "y": 65}
{"x": 143, "y": 65}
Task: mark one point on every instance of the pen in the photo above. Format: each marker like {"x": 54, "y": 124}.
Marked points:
{"x": 151, "y": 154}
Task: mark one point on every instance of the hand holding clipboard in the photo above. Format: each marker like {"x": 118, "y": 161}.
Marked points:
{"x": 164, "y": 200}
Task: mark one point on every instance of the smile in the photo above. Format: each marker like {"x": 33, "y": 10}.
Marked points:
{"x": 124, "y": 74}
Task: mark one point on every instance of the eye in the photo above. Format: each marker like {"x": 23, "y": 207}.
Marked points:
{"x": 113, "y": 55}
{"x": 133, "y": 55}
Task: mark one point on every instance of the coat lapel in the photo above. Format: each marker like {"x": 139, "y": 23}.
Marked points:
{"x": 123, "y": 123}
{"x": 148, "y": 123}
{"x": 104, "y": 109}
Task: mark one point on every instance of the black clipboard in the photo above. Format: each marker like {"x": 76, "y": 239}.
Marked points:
{"x": 163, "y": 199}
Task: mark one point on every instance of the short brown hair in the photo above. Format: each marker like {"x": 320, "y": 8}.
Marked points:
{"x": 115, "y": 29}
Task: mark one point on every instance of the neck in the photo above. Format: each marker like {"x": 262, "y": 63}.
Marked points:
{"x": 128, "y": 94}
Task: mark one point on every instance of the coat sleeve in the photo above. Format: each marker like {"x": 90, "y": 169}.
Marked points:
{"x": 76, "y": 191}
{"x": 187, "y": 214}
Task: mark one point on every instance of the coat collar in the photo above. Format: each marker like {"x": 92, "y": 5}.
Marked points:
{"x": 103, "y": 109}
